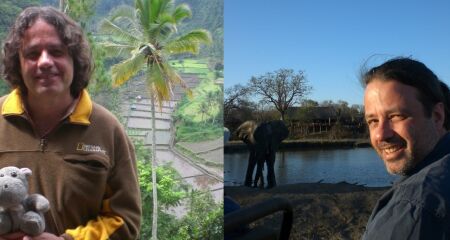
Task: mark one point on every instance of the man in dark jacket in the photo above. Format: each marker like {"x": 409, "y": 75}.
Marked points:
{"x": 407, "y": 112}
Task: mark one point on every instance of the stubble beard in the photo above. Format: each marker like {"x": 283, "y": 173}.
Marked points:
{"x": 408, "y": 164}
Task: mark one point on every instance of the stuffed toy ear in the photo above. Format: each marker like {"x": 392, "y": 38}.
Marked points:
{"x": 25, "y": 171}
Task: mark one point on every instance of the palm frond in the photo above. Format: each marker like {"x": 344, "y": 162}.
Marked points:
{"x": 122, "y": 11}
{"x": 123, "y": 71}
{"x": 130, "y": 25}
{"x": 155, "y": 8}
{"x": 189, "y": 42}
{"x": 116, "y": 49}
{"x": 142, "y": 13}
{"x": 156, "y": 82}
{"x": 181, "y": 12}
{"x": 152, "y": 23}
{"x": 122, "y": 35}
{"x": 162, "y": 29}
{"x": 175, "y": 78}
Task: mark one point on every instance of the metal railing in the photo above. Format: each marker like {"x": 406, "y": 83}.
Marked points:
{"x": 242, "y": 217}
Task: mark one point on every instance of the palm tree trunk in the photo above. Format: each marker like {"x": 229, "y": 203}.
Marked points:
{"x": 154, "y": 185}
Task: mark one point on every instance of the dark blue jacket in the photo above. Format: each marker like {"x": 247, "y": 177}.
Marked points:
{"x": 418, "y": 205}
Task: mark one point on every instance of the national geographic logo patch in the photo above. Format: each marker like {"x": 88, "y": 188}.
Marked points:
{"x": 89, "y": 148}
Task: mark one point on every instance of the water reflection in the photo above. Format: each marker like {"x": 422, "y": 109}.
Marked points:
{"x": 359, "y": 165}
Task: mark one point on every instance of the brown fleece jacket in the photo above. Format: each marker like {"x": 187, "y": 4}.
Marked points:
{"x": 86, "y": 168}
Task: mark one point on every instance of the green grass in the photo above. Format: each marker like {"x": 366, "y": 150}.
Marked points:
{"x": 189, "y": 63}
{"x": 131, "y": 131}
{"x": 198, "y": 132}
{"x": 196, "y": 70}
{"x": 194, "y": 66}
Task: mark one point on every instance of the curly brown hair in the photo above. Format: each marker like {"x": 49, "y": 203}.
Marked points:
{"x": 71, "y": 35}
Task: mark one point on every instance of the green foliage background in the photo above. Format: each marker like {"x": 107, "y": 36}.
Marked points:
{"x": 204, "y": 219}
{"x": 9, "y": 9}
{"x": 199, "y": 118}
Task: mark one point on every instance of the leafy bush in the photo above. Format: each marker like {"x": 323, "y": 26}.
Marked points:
{"x": 204, "y": 220}
{"x": 170, "y": 192}
{"x": 195, "y": 132}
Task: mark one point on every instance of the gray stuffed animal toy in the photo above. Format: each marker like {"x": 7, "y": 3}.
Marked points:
{"x": 18, "y": 210}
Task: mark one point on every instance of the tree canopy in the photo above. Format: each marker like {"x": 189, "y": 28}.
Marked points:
{"x": 282, "y": 88}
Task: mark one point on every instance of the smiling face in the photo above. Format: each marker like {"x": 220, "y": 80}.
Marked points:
{"x": 400, "y": 131}
{"x": 46, "y": 65}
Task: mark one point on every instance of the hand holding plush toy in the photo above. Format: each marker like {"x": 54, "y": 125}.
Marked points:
{"x": 18, "y": 210}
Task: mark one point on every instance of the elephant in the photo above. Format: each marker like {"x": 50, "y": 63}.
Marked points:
{"x": 263, "y": 141}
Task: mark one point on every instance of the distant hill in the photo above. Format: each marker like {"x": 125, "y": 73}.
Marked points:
{"x": 207, "y": 14}
{"x": 9, "y": 9}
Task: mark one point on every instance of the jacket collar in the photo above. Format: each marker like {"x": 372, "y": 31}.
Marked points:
{"x": 13, "y": 106}
{"x": 439, "y": 151}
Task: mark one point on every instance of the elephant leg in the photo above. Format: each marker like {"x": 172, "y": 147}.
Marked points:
{"x": 250, "y": 168}
{"x": 259, "y": 178}
{"x": 259, "y": 170}
{"x": 270, "y": 160}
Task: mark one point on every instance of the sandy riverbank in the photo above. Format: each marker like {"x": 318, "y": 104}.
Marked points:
{"x": 321, "y": 210}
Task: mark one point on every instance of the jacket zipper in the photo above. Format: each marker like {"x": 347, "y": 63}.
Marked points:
{"x": 43, "y": 144}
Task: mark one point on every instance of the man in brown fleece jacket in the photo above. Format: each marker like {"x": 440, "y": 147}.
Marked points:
{"x": 80, "y": 156}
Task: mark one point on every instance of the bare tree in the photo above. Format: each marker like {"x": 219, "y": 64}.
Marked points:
{"x": 283, "y": 88}
{"x": 233, "y": 97}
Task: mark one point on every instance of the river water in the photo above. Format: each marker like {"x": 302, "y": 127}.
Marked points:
{"x": 354, "y": 165}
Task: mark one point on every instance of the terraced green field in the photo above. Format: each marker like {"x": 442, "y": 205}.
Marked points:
{"x": 198, "y": 117}
{"x": 192, "y": 110}
{"x": 193, "y": 66}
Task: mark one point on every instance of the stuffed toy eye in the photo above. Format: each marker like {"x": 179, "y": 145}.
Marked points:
{"x": 13, "y": 174}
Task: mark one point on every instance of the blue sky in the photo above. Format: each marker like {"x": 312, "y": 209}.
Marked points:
{"x": 330, "y": 40}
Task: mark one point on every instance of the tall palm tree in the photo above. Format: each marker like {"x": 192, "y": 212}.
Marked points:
{"x": 146, "y": 36}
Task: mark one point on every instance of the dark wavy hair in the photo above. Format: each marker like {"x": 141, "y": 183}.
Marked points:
{"x": 415, "y": 74}
{"x": 71, "y": 35}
